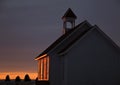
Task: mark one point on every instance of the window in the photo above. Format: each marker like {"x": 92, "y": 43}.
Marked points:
{"x": 69, "y": 25}
{"x": 43, "y": 71}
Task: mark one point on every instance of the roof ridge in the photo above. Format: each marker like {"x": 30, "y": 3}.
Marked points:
{"x": 107, "y": 37}
{"x": 61, "y": 38}
{"x": 70, "y": 44}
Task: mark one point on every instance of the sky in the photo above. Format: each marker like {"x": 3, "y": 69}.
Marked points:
{"x": 27, "y": 27}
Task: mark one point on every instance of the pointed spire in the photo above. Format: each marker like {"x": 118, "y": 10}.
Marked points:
{"x": 69, "y": 13}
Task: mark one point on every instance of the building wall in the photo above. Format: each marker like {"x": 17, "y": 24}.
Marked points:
{"x": 93, "y": 60}
{"x": 56, "y": 70}
{"x": 57, "y": 62}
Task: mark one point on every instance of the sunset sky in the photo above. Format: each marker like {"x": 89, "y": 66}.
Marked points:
{"x": 27, "y": 27}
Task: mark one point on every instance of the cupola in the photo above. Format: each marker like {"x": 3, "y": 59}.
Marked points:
{"x": 68, "y": 20}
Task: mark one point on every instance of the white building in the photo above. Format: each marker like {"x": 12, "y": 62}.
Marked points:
{"x": 83, "y": 55}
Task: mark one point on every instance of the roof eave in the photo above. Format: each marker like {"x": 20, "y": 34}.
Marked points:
{"x": 39, "y": 57}
{"x": 66, "y": 51}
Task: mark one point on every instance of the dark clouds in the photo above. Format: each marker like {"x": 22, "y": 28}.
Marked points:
{"x": 28, "y": 26}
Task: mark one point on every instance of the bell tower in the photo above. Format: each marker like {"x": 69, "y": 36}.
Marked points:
{"x": 68, "y": 20}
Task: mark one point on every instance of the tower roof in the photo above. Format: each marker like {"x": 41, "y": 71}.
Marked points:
{"x": 66, "y": 35}
{"x": 69, "y": 13}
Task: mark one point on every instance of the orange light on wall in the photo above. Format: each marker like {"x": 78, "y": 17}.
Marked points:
{"x": 48, "y": 62}
{"x": 43, "y": 68}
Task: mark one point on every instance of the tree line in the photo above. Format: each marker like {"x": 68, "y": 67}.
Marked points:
{"x": 18, "y": 79}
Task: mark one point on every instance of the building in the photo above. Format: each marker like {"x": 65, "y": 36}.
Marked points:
{"x": 83, "y": 55}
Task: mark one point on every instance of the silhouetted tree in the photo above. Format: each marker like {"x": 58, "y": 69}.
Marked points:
{"x": 27, "y": 78}
{"x": 7, "y": 78}
{"x": 36, "y": 79}
{"x": 17, "y": 79}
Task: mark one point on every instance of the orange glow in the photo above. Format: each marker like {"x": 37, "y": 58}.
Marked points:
{"x": 41, "y": 57}
{"x": 47, "y": 68}
{"x": 43, "y": 68}
{"x": 14, "y": 74}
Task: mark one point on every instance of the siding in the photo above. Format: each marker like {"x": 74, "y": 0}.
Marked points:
{"x": 92, "y": 60}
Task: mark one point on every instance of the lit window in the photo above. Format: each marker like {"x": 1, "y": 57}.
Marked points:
{"x": 43, "y": 71}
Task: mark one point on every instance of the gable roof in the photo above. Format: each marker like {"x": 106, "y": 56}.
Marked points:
{"x": 69, "y": 13}
{"x": 95, "y": 27}
{"x": 71, "y": 43}
{"x": 72, "y": 36}
{"x": 64, "y": 36}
